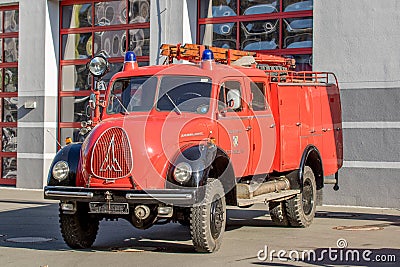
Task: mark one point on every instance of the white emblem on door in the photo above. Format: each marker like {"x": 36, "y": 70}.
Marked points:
{"x": 235, "y": 140}
{"x": 110, "y": 162}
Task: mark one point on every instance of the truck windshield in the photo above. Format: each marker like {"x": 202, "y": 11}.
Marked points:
{"x": 184, "y": 94}
{"x": 132, "y": 94}
{"x": 175, "y": 93}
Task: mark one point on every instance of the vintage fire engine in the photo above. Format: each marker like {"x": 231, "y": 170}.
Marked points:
{"x": 180, "y": 142}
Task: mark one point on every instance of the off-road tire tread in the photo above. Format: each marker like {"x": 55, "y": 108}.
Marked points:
{"x": 277, "y": 211}
{"x": 294, "y": 209}
{"x": 76, "y": 235}
{"x": 199, "y": 220}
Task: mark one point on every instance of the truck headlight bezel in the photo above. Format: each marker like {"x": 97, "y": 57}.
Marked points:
{"x": 182, "y": 172}
{"x": 60, "y": 170}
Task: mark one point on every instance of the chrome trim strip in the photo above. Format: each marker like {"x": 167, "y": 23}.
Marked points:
{"x": 51, "y": 193}
{"x": 159, "y": 196}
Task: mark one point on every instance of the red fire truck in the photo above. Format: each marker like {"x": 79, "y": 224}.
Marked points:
{"x": 180, "y": 142}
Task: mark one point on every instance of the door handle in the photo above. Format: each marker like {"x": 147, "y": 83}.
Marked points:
{"x": 298, "y": 124}
{"x": 272, "y": 125}
{"x": 248, "y": 128}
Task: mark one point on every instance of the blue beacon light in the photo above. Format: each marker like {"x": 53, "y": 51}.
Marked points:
{"x": 130, "y": 61}
{"x": 207, "y": 55}
{"x": 207, "y": 60}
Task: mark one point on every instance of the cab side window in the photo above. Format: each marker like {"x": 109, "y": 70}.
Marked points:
{"x": 230, "y": 95}
{"x": 259, "y": 102}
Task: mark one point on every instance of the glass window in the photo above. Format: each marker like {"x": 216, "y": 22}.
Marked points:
{"x": 297, "y": 5}
{"x": 259, "y": 35}
{"x": 10, "y": 49}
{"x": 303, "y": 62}
{"x": 79, "y": 107}
{"x": 77, "y": 16}
{"x": 11, "y": 21}
{"x": 9, "y": 140}
{"x": 230, "y": 95}
{"x": 220, "y": 35}
{"x": 139, "y": 11}
{"x": 112, "y": 43}
{"x": 75, "y": 78}
{"x": 258, "y": 91}
{"x": 217, "y": 8}
{"x": 184, "y": 94}
{"x": 250, "y": 7}
{"x": 10, "y": 80}
{"x": 77, "y": 46}
{"x": 139, "y": 41}
{"x": 134, "y": 94}
{"x": 298, "y": 33}
{"x": 110, "y": 13}
{"x": 9, "y": 168}
{"x": 10, "y": 109}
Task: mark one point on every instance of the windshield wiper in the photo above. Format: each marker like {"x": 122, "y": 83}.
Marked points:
{"x": 173, "y": 103}
{"x": 126, "y": 112}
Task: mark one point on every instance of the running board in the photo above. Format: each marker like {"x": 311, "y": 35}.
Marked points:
{"x": 264, "y": 198}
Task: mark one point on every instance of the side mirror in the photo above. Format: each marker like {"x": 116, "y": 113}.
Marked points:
{"x": 92, "y": 101}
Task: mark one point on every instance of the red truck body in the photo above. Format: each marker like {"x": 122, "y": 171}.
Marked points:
{"x": 250, "y": 129}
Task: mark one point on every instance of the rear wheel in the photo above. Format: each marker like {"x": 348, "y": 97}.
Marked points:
{"x": 277, "y": 211}
{"x": 207, "y": 220}
{"x": 79, "y": 230}
{"x": 301, "y": 208}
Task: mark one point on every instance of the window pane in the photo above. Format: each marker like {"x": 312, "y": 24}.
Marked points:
{"x": 303, "y": 62}
{"x": 73, "y": 109}
{"x": 220, "y": 35}
{"x": 11, "y": 21}
{"x": 139, "y": 11}
{"x": 217, "y": 8}
{"x": 297, "y": 5}
{"x": 10, "y": 109}
{"x": 139, "y": 41}
{"x": 11, "y": 80}
{"x": 110, "y": 13}
{"x": 297, "y": 32}
{"x": 77, "y": 46}
{"x": 10, "y": 49}
{"x": 75, "y": 78}
{"x": 249, "y": 7}
{"x": 259, "y": 35}
{"x": 70, "y": 132}
{"x": 113, "y": 43}
{"x": 9, "y": 139}
{"x": 77, "y": 16}
{"x": 1, "y": 22}
{"x": 258, "y": 91}
{"x": 9, "y": 168}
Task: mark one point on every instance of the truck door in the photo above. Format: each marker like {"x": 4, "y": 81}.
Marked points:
{"x": 263, "y": 131}
{"x": 332, "y": 152}
{"x": 234, "y": 124}
{"x": 289, "y": 116}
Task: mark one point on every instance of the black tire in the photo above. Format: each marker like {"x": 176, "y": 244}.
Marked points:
{"x": 208, "y": 219}
{"x": 301, "y": 208}
{"x": 79, "y": 230}
{"x": 277, "y": 211}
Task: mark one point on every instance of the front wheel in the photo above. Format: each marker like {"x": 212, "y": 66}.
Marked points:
{"x": 79, "y": 230}
{"x": 301, "y": 208}
{"x": 208, "y": 219}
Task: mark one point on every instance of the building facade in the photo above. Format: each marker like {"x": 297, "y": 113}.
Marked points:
{"x": 45, "y": 45}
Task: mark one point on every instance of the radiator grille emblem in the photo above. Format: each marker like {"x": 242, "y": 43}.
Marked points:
{"x": 110, "y": 160}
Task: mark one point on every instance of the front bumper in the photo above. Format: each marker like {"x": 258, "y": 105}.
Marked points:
{"x": 187, "y": 196}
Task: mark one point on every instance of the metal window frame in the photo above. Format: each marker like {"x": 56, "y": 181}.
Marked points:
{"x": 3, "y": 94}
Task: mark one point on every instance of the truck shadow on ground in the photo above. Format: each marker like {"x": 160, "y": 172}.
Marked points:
{"x": 37, "y": 219}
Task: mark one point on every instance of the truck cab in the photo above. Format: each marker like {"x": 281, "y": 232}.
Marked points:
{"x": 180, "y": 142}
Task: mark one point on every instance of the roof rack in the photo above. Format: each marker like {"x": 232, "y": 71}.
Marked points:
{"x": 193, "y": 52}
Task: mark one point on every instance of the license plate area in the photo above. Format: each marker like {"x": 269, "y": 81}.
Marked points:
{"x": 109, "y": 208}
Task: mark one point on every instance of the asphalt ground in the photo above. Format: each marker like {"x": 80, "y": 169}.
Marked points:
{"x": 339, "y": 236}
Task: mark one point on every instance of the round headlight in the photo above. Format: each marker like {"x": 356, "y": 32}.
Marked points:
{"x": 60, "y": 170}
{"x": 98, "y": 66}
{"x": 182, "y": 172}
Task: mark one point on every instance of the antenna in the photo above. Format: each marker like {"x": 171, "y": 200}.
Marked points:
{"x": 55, "y": 139}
